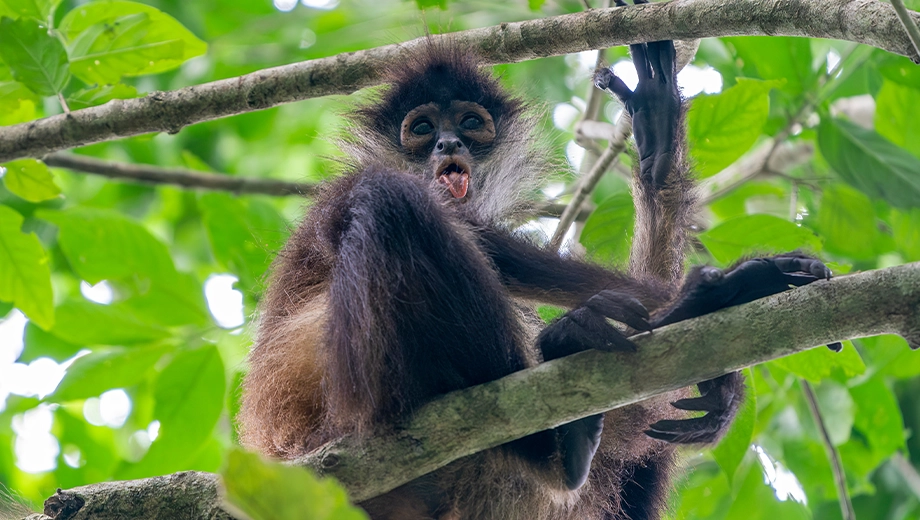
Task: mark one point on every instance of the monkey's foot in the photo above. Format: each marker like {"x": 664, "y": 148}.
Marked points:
{"x": 720, "y": 398}
{"x": 587, "y": 327}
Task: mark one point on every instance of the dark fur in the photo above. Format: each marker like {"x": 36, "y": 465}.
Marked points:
{"x": 388, "y": 294}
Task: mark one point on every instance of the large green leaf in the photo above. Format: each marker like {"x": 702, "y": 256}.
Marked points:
{"x": 608, "y": 232}
{"x": 35, "y": 57}
{"x": 721, "y": 127}
{"x": 12, "y": 92}
{"x": 189, "y": 399}
{"x": 261, "y": 490}
{"x": 25, "y": 278}
{"x": 244, "y": 234}
{"x": 87, "y": 323}
{"x": 732, "y": 449}
{"x": 905, "y": 226}
{"x": 39, "y": 10}
{"x": 756, "y": 234}
{"x": 819, "y": 363}
{"x": 111, "y": 39}
{"x": 897, "y": 115}
{"x": 30, "y": 179}
{"x": 105, "y": 369}
{"x": 104, "y": 244}
{"x": 39, "y": 343}
{"x": 782, "y": 58}
{"x": 848, "y": 225}
{"x": 870, "y": 163}
{"x": 878, "y": 416}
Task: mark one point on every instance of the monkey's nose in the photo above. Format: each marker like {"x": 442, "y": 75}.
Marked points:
{"x": 448, "y": 145}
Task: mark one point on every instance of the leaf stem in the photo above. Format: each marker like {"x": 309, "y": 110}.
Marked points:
{"x": 840, "y": 480}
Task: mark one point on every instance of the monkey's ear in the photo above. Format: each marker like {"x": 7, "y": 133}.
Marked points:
{"x": 605, "y": 79}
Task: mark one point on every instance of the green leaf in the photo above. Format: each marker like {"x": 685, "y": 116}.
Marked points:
{"x": 846, "y": 220}
{"x": 897, "y": 115}
{"x": 261, "y": 490}
{"x": 878, "y": 417}
{"x": 40, "y": 10}
{"x": 837, "y": 410}
{"x": 721, "y": 127}
{"x": 35, "y": 57}
{"x": 535, "y": 5}
{"x": 105, "y": 369}
{"x": 608, "y": 232}
{"x": 12, "y": 93}
{"x": 104, "y": 244}
{"x": 189, "y": 397}
{"x": 111, "y": 39}
{"x": 39, "y": 343}
{"x": 756, "y": 234}
{"x": 905, "y": 226}
{"x": 30, "y": 179}
{"x": 757, "y": 501}
{"x": 818, "y": 363}
{"x": 25, "y": 278}
{"x": 870, "y": 163}
{"x": 732, "y": 449}
{"x": 90, "y": 97}
{"x": 899, "y": 69}
{"x": 890, "y": 355}
{"x": 244, "y": 234}
{"x": 425, "y": 4}
{"x": 87, "y": 323}
{"x": 782, "y": 58}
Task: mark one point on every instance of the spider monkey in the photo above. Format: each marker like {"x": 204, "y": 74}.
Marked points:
{"x": 404, "y": 282}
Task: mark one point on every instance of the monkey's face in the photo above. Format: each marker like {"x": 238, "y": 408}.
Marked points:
{"x": 451, "y": 139}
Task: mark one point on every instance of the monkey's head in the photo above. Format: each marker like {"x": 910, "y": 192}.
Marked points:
{"x": 447, "y": 120}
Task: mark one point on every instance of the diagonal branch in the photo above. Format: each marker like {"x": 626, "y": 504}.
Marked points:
{"x": 185, "y": 178}
{"x": 864, "y": 21}
{"x": 471, "y": 420}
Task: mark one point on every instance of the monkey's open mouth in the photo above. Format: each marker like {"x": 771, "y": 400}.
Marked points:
{"x": 455, "y": 174}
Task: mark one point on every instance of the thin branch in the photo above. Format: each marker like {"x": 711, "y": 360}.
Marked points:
{"x": 908, "y": 472}
{"x": 587, "y": 182}
{"x": 177, "y": 176}
{"x": 913, "y": 31}
{"x": 456, "y": 425}
{"x": 866, "y": 21}
{"x": 840, "y": 478}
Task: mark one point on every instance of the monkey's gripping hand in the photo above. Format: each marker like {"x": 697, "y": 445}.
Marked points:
{"x": 655, "y": 106}
{"x": 581, "y": 329}
{"x": 708, "y": 289}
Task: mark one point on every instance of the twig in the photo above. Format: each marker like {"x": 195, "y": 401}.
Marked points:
{"x": 177, "y": 176}
{"x": 913, "y": 31}
{"x": 868, "y": 21}
{"x": 840, "y": 479}
{"x": 908, "y": 473}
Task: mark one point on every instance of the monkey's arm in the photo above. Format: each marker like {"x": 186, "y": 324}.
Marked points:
{"x": 533, "y": 273}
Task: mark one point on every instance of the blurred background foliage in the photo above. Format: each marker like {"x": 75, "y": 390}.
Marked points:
{"x": 127, "y": 309}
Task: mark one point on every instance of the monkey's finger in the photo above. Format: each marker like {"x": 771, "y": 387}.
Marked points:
{"x": 640, "y": 60}
{"x": 788, "y": 264}
{"x": 712, "y": 402}
{"x": 599, "y": 334}
{"x": 605, "y": 79}
{"x": 835, "y": 346}
{"x": 620, "y": 3}
{"x": 687, "y": 431}
{"x": 579, "y": 440}
{"x": 661, "y": 57}
{"x": 622, "y": 308}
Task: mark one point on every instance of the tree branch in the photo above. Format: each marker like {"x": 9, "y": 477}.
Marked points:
{"x": 886, "y": 301}
{"x": 185, "y": 178}
{"x": 864, "y": 21}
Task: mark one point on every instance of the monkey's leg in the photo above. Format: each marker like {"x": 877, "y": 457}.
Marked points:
{"x": 415, "y": 309}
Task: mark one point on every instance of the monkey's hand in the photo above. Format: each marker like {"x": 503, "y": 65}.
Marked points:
{"x": 587, "y": 327}
{"x": 706, "y": 290}
{"x": 655, "y": 105}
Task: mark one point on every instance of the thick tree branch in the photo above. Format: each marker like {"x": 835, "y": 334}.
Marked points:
{"x": 465, "y": 422}
{"x": 185, "y": 178}
{"x": 864, "y": 21}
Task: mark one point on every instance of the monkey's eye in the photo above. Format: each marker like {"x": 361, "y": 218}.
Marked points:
{"x": 471, "y": 122}
{"x": 422, "y": 127}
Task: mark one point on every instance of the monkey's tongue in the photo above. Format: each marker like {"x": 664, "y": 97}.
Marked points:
{"x": 457, "y": 183}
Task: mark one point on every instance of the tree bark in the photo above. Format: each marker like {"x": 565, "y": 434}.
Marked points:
{"x": 864, "y": 21}
{"x": 886, "y": 301}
